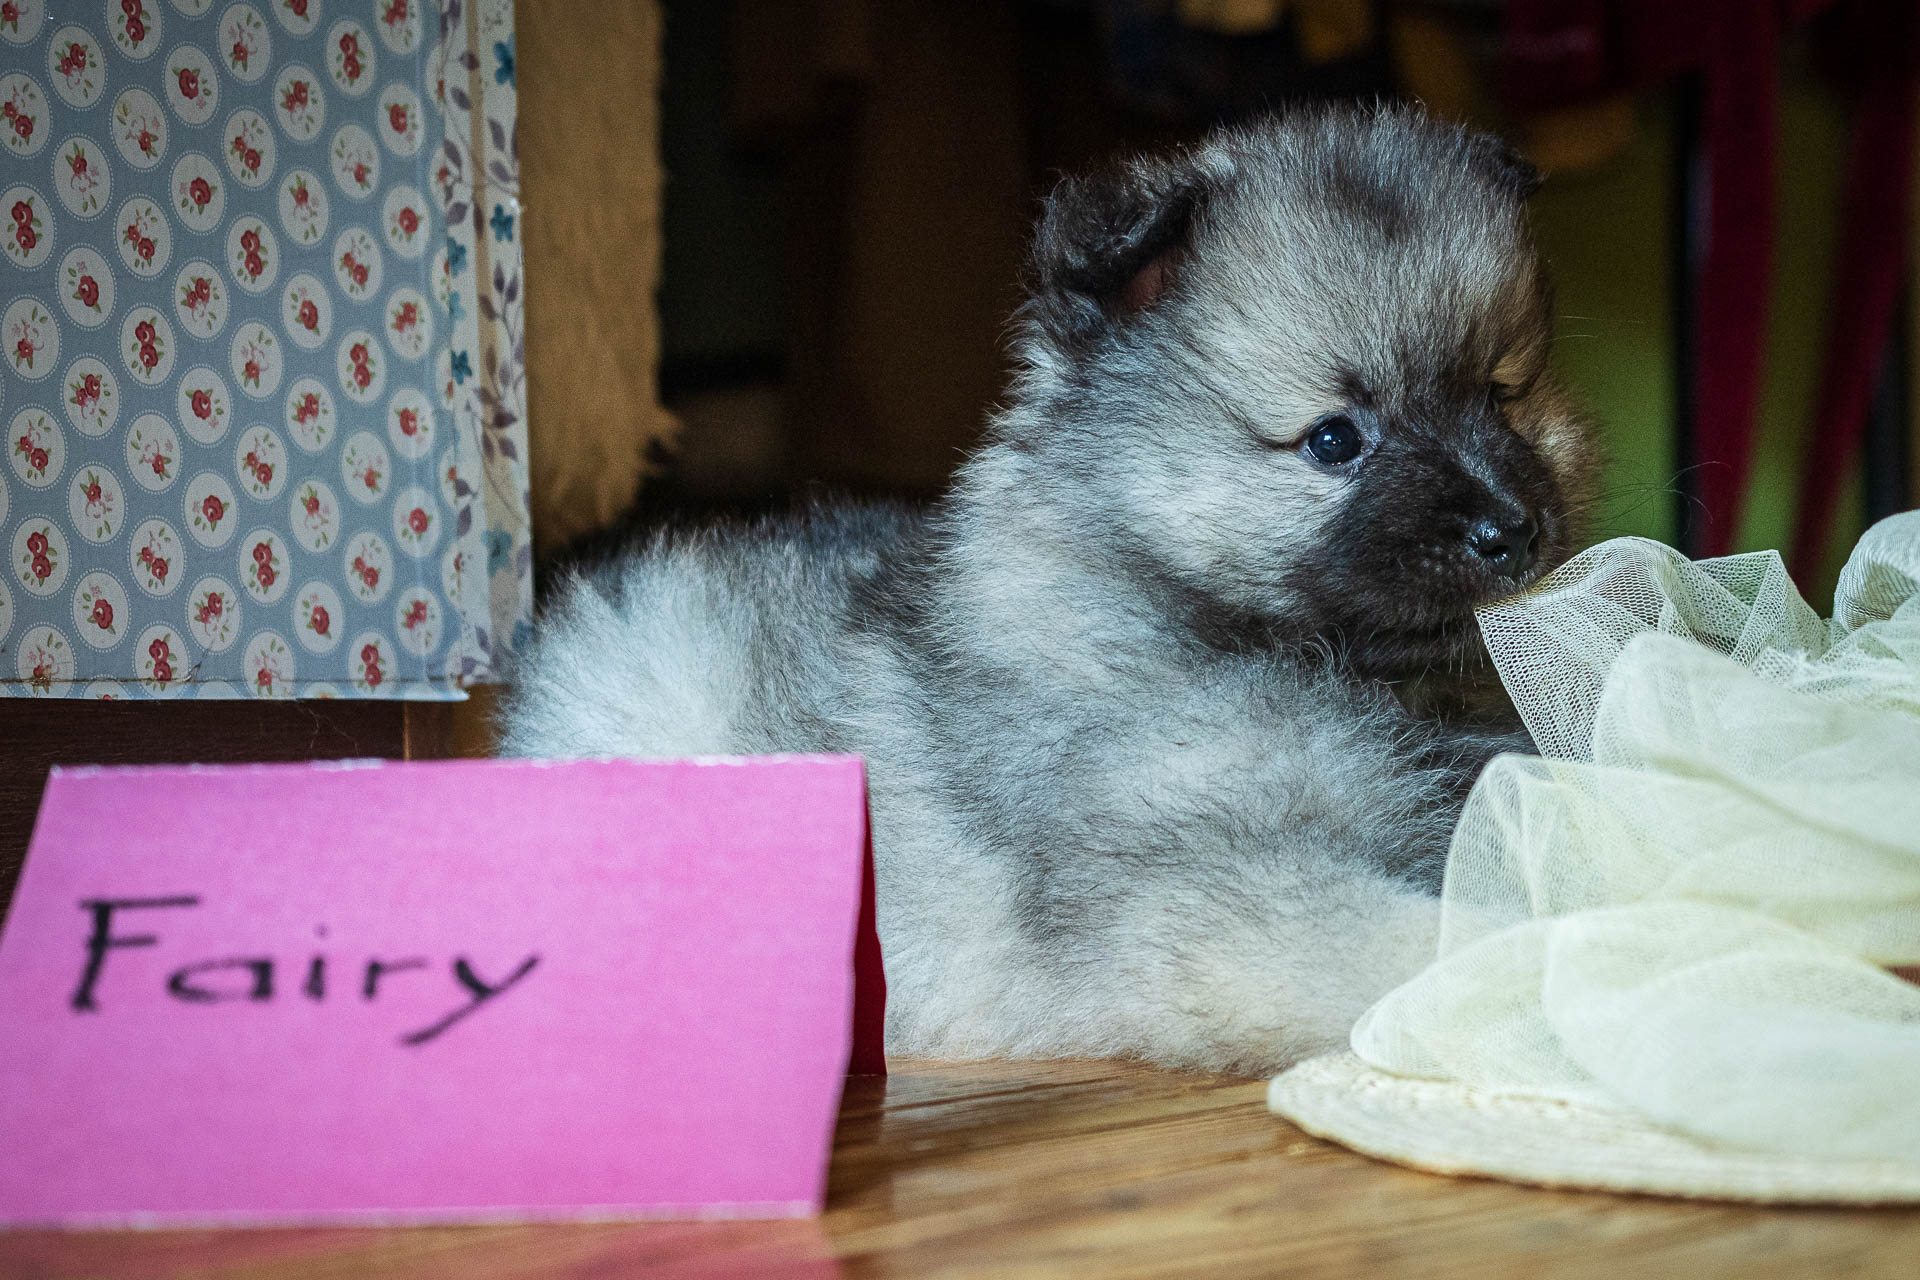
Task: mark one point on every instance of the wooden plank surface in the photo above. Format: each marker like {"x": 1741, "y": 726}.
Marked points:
{"x": 38, "y": 733}
{"x": 1068, "y": 1169}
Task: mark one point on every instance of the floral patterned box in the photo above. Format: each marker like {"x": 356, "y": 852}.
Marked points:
{"x": 260, "y": 320}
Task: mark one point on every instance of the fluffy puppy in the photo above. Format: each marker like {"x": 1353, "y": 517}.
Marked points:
{"x": 1141, "y": 783}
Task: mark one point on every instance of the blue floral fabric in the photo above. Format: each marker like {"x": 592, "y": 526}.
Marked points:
{"x": 246, "y": 449}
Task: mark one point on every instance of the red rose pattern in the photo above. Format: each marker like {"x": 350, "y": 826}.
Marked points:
{"x": 262, "y": 472}
{"x": 86, "y": 392}
{"x": 136, "y": 14}
{"x": 162, "y": 654}
{"x": 23, "y": 233}
{"x": 350, "y": 65}
{"x": 263, "y": 571}
{"x": 87, "y": 290}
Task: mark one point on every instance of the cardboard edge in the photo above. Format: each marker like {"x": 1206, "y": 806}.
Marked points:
{"x": 868, "y": 1055}
{"x": 498, "y": 762}
{"x": 492, "y": 1215}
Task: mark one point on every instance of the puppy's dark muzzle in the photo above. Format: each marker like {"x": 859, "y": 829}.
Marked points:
{"x": 1508, "y": 549}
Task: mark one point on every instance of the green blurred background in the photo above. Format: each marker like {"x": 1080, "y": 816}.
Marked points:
{"x": 843, "y": 233}
{"x": 1608, "y": 235}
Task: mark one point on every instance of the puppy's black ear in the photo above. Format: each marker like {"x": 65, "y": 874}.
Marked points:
{"x": 1508, "y": 167}
{"x": 1109, "y": 245}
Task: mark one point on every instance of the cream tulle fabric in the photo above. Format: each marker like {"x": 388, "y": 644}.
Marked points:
{"x": 1685, "y": 911}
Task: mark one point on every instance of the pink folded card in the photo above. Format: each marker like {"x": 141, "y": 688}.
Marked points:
{"x": 450, "y": 991}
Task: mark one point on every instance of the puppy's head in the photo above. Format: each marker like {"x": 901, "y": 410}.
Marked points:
{"x": 1299, "y": 376}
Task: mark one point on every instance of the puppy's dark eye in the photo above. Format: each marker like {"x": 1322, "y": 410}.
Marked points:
{"x": 1334, "y": 441}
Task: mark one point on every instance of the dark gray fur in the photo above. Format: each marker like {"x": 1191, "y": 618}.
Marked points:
{"x": 1134, "y": 695}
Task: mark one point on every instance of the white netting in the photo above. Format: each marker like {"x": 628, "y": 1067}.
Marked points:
{"x": 1686, "y": 909}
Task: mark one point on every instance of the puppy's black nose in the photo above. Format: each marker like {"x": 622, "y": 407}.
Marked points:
{"x": 1509, "y": 548}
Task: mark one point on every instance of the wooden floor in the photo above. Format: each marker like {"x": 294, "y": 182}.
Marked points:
{"x": 1060, "y": 1169}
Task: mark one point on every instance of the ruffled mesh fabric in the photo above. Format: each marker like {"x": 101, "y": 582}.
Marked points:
{"x": 1687, "y": 909}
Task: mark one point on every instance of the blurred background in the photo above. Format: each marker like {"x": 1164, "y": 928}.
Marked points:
{"x": 828, "y": 201}
{"x": 770, "y": 247}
